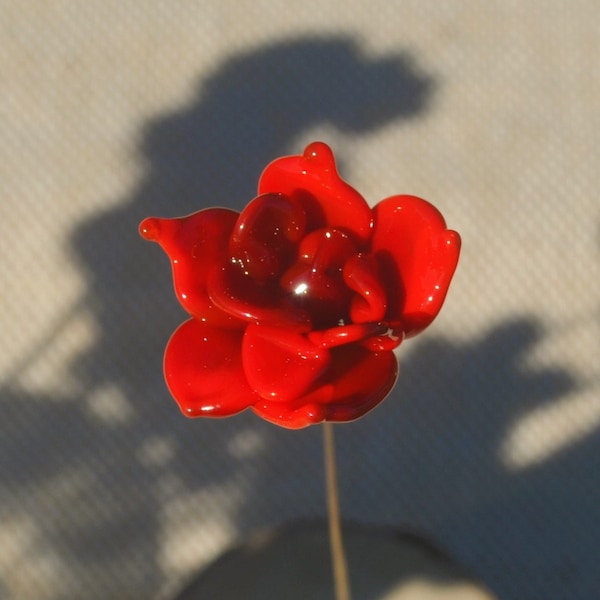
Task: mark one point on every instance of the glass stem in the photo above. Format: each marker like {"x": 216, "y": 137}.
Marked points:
{"x": 338, "y": 556}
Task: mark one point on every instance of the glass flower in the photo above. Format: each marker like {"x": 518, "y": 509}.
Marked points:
{"x": 297, "y": 303}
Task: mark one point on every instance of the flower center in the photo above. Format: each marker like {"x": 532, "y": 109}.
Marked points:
{"x": 315, "y": 282}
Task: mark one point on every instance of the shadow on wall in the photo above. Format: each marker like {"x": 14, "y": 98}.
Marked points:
{"x": 101, "y": 481}
{"x": 434, "y": 457}
{"x": 91, "y": 478}
{"x": 211, "y": 154}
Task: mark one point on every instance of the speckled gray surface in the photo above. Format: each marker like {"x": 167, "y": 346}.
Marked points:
{"x": 115, "y": 110}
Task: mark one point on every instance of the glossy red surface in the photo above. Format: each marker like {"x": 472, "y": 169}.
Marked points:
{"x": 297, "y": 303}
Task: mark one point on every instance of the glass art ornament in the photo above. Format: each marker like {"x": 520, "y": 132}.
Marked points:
{"x": 297, "y": 303}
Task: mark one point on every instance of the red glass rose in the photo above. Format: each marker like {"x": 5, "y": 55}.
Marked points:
{"x": 297, "y": 303}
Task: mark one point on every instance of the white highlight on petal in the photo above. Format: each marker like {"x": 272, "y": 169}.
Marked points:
{"x": 301, "y": 289}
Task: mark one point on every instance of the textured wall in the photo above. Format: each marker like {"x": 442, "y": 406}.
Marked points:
{"x": 111, "y": 111}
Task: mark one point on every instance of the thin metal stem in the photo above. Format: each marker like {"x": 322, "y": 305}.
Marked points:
{"x": 338, "y": 556}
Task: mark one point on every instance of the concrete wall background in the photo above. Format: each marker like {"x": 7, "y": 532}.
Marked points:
{"x": 112, "y": 111}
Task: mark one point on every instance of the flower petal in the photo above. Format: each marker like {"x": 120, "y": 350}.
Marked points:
{"x": 328, "y": 200}
{"x": 203, "y": 370}
{"x": 346, "y": 334}
{"x": 314, "y": 282}
{"x": 238, "y": 295}
{"x": 265, "y": 236}
{"x": 285, "y": 415}
{"x": 281, "y": 364}
{"x": 361, "y": 275}
{"x": 194, "y": 244}
{"x": 356, "y": 382}
{"x": 417, "y": 256}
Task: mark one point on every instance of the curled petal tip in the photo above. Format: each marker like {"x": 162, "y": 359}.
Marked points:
{"x": 165, "y": 231}
{"x": 453, "y": 240}
{"x": 150, "y": 229}
{"x": 319, "y": 152}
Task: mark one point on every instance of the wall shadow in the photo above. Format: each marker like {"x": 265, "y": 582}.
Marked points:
{"x": 430, "y": 460}
{"x": 437, "y": 446}
{"x": 211, "y": 153}
{"x": 90, "y": 474}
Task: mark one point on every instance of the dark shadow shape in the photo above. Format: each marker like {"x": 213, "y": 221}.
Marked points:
{"x": 441, "y": 434}
{"x": 256, "y": 105}
{"x": 247, "y": 113}
{"x": 82, "y": 486}
{"x": 294, "y": 563}
{"x": 90, "y": 473}
{"x": 430, "y": 459}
